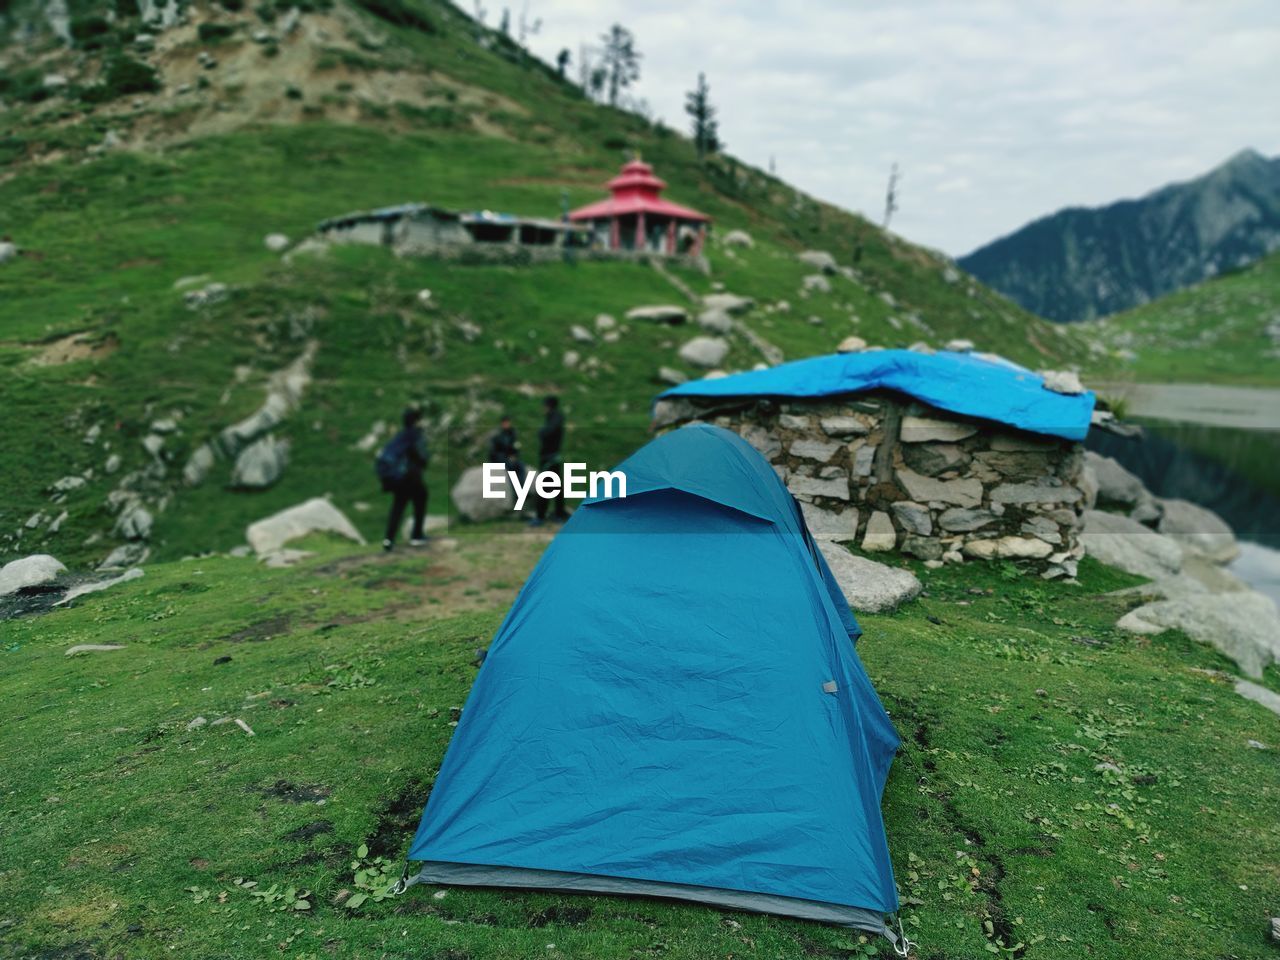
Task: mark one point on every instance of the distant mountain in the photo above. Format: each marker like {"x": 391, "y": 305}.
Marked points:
{"x": 1082, "y": 263}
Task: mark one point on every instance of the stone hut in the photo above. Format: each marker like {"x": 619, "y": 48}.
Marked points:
{"x": 943, "y": 456}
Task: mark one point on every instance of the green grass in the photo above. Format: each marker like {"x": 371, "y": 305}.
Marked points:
{"x": 1216, "y": 332}
{"x": 126, "y": 832}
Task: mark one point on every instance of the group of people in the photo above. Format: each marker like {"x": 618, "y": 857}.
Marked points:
{"x": 403, "y": 461}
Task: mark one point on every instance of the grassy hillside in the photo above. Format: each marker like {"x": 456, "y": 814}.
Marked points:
{"x": 351, "y": 110}
{"x": 1226, "y": 330}
{"x": 1063, "y": 790}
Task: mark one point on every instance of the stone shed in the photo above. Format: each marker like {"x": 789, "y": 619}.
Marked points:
{"x": 941, "y": 456}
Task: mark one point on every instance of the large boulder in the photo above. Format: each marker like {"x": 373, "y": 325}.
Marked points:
{"x": 260, "y": 464}
{"x": 29, "y": 572}
{"x": 1198, "y": 531}
{"x": 704, "y": 351}
{"x": 869, "y": 587}
{"x": 1115, "y": 484}
{"x": 317, "y": 515}
{"x": 469, "y": 500}
{"x": 1119, "y": 541}
{"x": 1244, "y": 626}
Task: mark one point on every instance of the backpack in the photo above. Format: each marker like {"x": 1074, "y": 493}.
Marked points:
{"x": 393, "y": 461}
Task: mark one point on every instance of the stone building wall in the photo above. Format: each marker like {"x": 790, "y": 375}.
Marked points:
{"x": 887, "y": 473}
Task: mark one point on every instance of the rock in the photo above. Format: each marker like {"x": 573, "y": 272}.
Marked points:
{"x": 1042, "y": 528}
{"x": 135, "y": 522}
{"x": 80, "y": 648}
{"x": 1022, "y": 443}
{"x": 738, "y": 238}
{"x": 196, "y": 723}
{"x": 1275, "y": 927}
{"x": 1147, "y": 510}
{"x": 98, "y": 586}
{"x": 829, "y": 525}
{"x": 929, "y": 549}
{"x": 763, "y": 440}
{"x": 1020, "y": 548}
{"x": 704, "y": 351}
{"x": 664, "y": 313}
{"x": 1124, "y": 543}
{"x": 851, "y": 345}
{"x": 288, "y": 557}
{"x": 54, "y": 81}
{"x": 842, "y": 427}
{"x": 863, "y": 460}
{"x": 8, "y": 251}
{"x": 153, "y": 443}
{"x": 468, "y": 499}
{"x": 276, "y": 242}
{"x": 672, "y": 376}
{"x": 316, "y": 515}
{"x": 932, "y": 459}
{"x": 729, "y": 303}
{"x": 67, "y": 484}
{"x": 198, "y": 466}
{"x": 913, "y": 518}
{"x": 962, "y": 520}
{"x": 794, "y": 421}
{"x": 1198, "y": 530}
{"x": 260, "y": 464}
{"x": 207, "y": 296}
{"x": 1243, "y": 626}
{"x": 605, "y": 322}
{"x": 126, "y": 555}
{"x": 966, "y": 492}
{"x": 959, "y": 346}
{"x": 1062, "y": 381}
{"x": 1116, "y": 485}
{"x": 581, "y": 334}
{"x": 880, "y": 534}
{"x": 571, "y": 359}
{"x": 1035, "y": 493}
{"x": 807, "y": 449}
{"x": 29, "y": 572}
{"x": 815, "y": 283}
{"x": 717, "y": 321}
{"x": 869, "y": 587}
{"x": 837, "y": 487}
{"x": 819, "y": 260}
{"x": 926, "y": 429}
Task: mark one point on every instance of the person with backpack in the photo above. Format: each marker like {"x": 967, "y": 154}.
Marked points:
{"x": 504, "y": 448}
{"x": 399, "y": 467}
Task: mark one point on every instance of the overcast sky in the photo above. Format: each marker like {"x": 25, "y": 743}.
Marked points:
{"x": 998, "y": 111}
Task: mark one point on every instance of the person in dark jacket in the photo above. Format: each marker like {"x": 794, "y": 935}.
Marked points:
{"x": 550, "y": 440}
{"x": 407, "y": 451}
{"x": 504, "y": 448}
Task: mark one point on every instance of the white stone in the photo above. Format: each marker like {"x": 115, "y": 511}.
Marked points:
{"x": 819, "y": 260}
{"x": 717, "y": 321}
{"x": 198, "y": 466}
{"x": 1271, "y": 700}
{"x": 869, "y": 587}
{"x": 605, "y": 322}
{"x": 829, "y": 525}
{"x": 818, "y": 450}
{"x": 843, "y": 427}
{"x": 260, "y": 464}
{"x": 80, "y": 648}
{"x": 134, "y": 522}
{"x": 672, "y": 376}
{"x": 863, "y": 459}
{"x": 962, "y": 520}
{"x": 1118, "y": 541}
{"x": 926, "y": 429}
{"x": 1035, "y": 493}
{"x": 815, "y": 283}
{"x": 763, "y": 440}
{"x": 662, "y": 313}
{"x": 738, "y": 238}
{"x": 571, "y": 359}
{"x": 851, "y": 345}
{"x": 471, "y": 504}
{"x": 1198, "y": 530}
{"x": 729, "y": 303}
{"x": 581, "y": 334}
{"x": 1243, "y": 626}
{"x": 837, "y": 487}
{"x": 1062, "y": 381}
{"x": 913, "y": 517}
{"x": 965, "y": 492}
{"x": 879, "y": 535}
{"x": 1022, "y": 548}
{"x": 28, "y": 572}
{"x": 8, "y": 251}
{"x": 1115, "y": 484}
{"x": 959, "y": 346}
{"x": 276, "y": 242}
{"x": 132, "y": 573}
{"x": 704, "y": 351}
{"x": 316, "y": 515}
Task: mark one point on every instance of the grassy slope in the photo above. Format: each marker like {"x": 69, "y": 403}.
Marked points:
{"x": 107, "y": 237}
{"x": 125, "y": 831}
{"x": 1215, "y": 332}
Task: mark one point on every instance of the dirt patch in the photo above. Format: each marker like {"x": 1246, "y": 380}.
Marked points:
{"x": 308, "y": 831}
{"x": 262, "y": 630}
{"x": 560, "y": 915}
{"x": 291, "y": 792}
{"x": 398, "y": 820}
{"x": 73, "y": 347}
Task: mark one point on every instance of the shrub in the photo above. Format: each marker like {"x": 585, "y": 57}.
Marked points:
{"x": 122, "y": 77}
{"x": 399, "y": 12}
{"x": 25, "y": 85}
{"x": 215, "y": 32}
{"x": 90, "y": 32}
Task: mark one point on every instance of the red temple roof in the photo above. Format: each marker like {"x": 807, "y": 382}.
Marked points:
{"x": 635, "y": 190}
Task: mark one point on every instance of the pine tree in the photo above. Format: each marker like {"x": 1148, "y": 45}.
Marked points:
{"x": 706, "y": 129}
{"x": 620, "y": 61}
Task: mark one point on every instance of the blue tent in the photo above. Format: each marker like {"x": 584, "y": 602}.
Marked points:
{"x": 976, "y": 385}
{"x": 674, "y": 707}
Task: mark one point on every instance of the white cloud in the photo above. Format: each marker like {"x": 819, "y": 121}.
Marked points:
{"x": 998, "y": 111}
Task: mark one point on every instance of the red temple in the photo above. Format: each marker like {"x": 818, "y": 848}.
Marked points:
{"x": 637, "y": 218}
